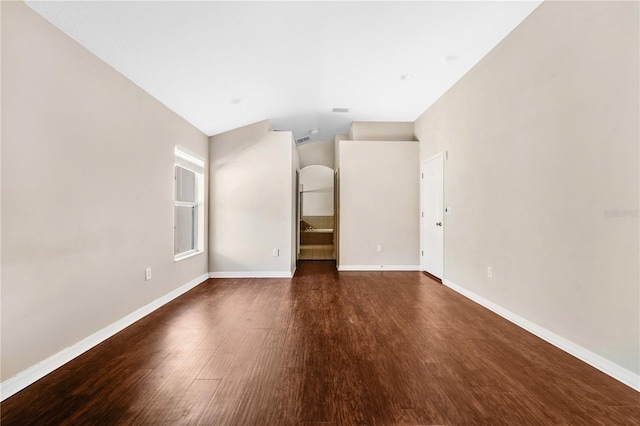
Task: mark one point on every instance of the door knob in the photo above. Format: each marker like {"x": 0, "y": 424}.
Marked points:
{"x": 438, "y": 223}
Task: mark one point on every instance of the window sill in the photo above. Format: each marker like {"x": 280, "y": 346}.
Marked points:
{"x": 187, "y": 254}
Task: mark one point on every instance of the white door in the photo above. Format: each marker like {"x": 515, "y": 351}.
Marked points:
{"x": 431, "y": 221}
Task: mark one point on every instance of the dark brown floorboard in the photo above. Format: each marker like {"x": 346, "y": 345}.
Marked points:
{"x": 325, "y": 348}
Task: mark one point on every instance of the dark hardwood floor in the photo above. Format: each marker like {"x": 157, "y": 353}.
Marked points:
{"x": 372, "y": 348}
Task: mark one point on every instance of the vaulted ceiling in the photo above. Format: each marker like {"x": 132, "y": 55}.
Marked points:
{"x": 222, "y": 65}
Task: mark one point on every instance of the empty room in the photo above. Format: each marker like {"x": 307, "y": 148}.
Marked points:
{"x": 320, "y": 213}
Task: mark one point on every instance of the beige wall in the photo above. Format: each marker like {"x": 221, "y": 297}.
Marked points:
{"x": 317, "y": 187}
{"x": 251, "y": 200}
{"x": 381, "y": 131}
{"x": 542, "y": 137}
{"x": 379, "y": 197}
{"x": 336, "y": 141}
{"x": 295, "y": 228}
{"x": 87, "y": 192}
{"x": 0, "y": 182}
{"x": 317, "y": 153}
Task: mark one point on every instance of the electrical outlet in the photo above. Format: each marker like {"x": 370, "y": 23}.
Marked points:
{"x": 147, "y": 274}
{"x": 276, "y": 252}
{"x": 489, "y": 271}
{"x": 379, "y": 247}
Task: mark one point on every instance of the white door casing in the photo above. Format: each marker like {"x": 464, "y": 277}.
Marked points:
{"x": 432, "y": 214}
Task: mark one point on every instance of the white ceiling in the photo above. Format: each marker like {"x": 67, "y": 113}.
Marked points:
{"x": 289, "y": 62}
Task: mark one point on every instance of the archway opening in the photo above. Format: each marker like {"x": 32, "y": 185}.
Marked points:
{"x": 317, "y": 222}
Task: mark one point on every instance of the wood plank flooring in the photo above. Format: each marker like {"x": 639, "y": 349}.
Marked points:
{"x": 325, "y": 348}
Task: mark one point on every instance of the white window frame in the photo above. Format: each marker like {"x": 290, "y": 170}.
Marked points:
{"x": 195, "y": 165}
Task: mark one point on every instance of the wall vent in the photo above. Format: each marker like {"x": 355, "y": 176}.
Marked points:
{"x": 340, "y": 110}
{"x": 306, "y": 138}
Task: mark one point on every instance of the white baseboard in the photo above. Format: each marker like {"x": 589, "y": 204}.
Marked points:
{"x": 614, "y": 370}
{"x": 252, "y": 274}
{"x": 36, "y": 372}
{"x": 379, "y": 268}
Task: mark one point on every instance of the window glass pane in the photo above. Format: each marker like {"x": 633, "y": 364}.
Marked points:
{"x": 189, "y": 205}
{"x": 184, "y": 232}
{"x": 185, "y": 185}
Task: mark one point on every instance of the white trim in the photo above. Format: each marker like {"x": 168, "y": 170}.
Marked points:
{"x": 251, "y": 274}
{"x": 185, "y": 204}
{"x": 187, "y": 254}
{"x": 433, "y": 157}
{"x": 36, "y": 372}
{"x": 196, "y": 164}
{"x": 614, "y": 370}
{"x": 379, "y": 268}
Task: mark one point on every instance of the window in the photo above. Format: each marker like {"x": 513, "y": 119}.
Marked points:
{"x": 188, "y": 211}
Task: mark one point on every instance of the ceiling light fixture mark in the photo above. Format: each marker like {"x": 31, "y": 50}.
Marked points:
{"x": 450, "y": 58}
{"x": 340, "y": 110}
{"x": 236, "y": 101}
{"x": 405, "y": 77}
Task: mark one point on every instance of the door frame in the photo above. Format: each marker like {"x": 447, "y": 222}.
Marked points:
{"x": 336, "y": 215}
{"x": 298, "y": 213}
{"x": 441, "y": 155}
